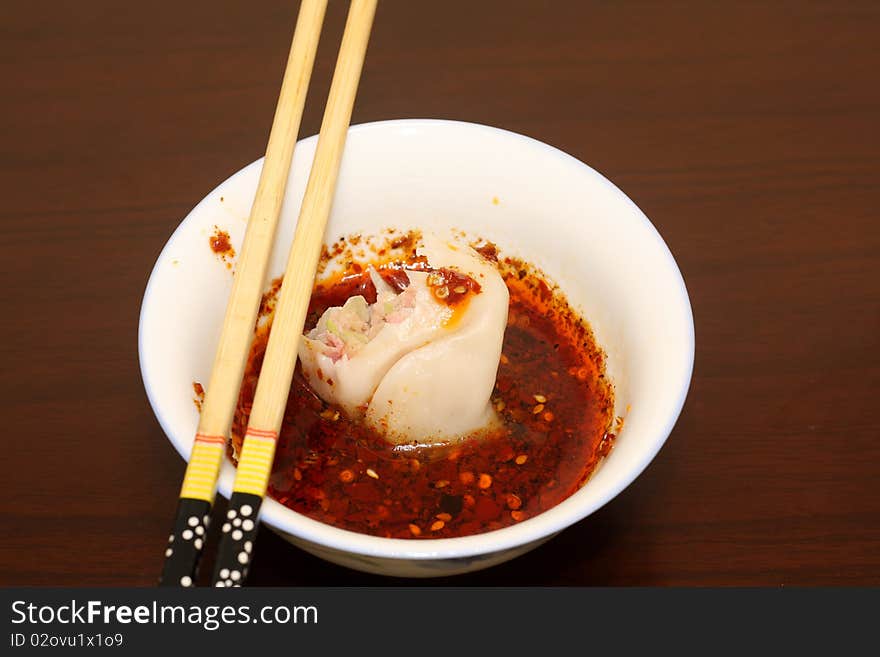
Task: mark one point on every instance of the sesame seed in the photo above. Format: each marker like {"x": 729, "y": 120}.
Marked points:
{"x": 460, "y": 289}
{"x": 540, "y": 398}
{"x": 437, "y": 526}
{"x": 522, "y": 458}
{"x": 537, "y": 409}
{"x": 372, "y": 473}
{"x": 443, "y": 483}
{"x": 445, "y": 517}
{"x": 330, "y": 414}
{"x": 414, "y": 530}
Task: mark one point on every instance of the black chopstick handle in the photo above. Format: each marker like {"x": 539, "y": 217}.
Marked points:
{"x": 185, "y": 543}
{"x": 237, "y": 537}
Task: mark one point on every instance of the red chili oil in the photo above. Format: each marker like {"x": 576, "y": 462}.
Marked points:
{"x": 550, "y": 391}
{"x": 221, "y": 245}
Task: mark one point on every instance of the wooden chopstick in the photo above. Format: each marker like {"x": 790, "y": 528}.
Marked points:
{"x": 255, "y": 461}
{"x": 184, "y": 550}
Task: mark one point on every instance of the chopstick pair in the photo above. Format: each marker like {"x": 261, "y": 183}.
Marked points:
{"x": 239, "y": 528}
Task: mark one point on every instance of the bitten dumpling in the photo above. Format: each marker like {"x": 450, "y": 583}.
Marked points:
{"x": 419, "y": 365}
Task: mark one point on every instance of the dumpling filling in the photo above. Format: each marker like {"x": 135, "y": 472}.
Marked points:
{"x": 344, "y": 330}
{"x": 419, "y": 365}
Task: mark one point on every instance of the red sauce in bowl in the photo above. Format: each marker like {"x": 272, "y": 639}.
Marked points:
{"x": 550, "y": 391}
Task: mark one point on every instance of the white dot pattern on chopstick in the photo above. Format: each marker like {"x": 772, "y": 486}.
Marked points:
{"x": 195, "y": 530}
{"x": 237, "y": 544}
{"x": 185, "y": 542}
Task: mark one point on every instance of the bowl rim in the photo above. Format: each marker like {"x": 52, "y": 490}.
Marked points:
{"x": 553, "y": 520}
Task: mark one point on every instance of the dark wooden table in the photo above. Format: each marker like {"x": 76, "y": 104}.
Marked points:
{"x": 747, "y": 133}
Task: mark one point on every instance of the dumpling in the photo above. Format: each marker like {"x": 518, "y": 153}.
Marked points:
{"x": 420, "y": 365}
{"x": 440, "y": 391}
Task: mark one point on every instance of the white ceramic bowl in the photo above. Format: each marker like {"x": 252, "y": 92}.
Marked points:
{"x": 534, "y": 202}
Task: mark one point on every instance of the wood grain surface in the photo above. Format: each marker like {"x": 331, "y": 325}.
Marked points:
{"x": 747, "y": 132}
